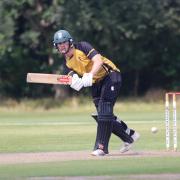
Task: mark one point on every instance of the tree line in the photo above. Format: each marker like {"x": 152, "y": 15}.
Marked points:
{"x": 141, "y": 37}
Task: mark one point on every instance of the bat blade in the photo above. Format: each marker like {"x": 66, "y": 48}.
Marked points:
{"x": 48, "y": 78}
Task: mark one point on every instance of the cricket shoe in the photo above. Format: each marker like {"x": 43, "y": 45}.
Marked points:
{"x": 127, "y": 146}
{"x": 98, "y": 152}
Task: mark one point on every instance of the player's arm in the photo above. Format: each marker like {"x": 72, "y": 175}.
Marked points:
{"x": 94, "y": 56}
{"x": 87, "y": 78}
{"x": 97, "y": 64}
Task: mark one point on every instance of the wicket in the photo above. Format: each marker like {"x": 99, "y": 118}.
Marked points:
{"x": 168, "y": 97}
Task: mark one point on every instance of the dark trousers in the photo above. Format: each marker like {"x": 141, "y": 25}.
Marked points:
{"x": 105, "y": 94}
{"x": 104, "y": 91}
{"x": 107, "y": 89}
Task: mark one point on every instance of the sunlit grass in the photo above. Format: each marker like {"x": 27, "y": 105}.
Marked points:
{"x": 72, "y": 128}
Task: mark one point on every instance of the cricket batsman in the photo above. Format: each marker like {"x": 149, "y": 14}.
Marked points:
{"x": 89, "y": 68}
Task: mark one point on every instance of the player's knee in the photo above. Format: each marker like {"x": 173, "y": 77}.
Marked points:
{"x": 105, "y": 111}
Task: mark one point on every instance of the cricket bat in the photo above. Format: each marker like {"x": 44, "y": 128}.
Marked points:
{"x": 48, "y": 78}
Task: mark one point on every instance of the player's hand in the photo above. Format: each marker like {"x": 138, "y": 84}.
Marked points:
{"x": 87, "y": 79}
{"x": 76, "y": 83}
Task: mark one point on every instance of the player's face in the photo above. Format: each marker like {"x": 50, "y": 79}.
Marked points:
{"x": 63, "y": 47}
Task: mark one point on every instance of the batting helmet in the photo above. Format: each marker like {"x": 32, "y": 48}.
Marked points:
{"x": 62, "y": 36}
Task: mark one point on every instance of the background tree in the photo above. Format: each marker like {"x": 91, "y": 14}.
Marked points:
{"x": 141, "y": 37}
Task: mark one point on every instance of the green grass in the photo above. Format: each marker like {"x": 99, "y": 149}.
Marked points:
{"x": 123, "y": 166}
{"x": 71, "y": 128}
{"x": 67, "y": 132}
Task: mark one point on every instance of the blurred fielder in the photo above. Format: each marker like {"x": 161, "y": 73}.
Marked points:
{"x": 89, "y": 68}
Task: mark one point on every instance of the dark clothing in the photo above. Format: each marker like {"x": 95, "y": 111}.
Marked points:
{"x": 108, "y": 89}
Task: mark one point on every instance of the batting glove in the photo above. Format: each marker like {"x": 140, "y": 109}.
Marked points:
{"x": 87, "y": 79}
{"x": 76, "y": 83}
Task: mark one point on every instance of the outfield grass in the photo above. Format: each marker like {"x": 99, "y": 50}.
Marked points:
{"x": 124, "y": 166}
{"x": 72, "y": 128}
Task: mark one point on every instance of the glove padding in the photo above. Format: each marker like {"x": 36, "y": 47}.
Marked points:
{"x": 87, "y": 79}
{"x": 76, "y": 83}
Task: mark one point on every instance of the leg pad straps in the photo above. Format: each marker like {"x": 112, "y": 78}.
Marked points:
{"x": 105, "y": 111}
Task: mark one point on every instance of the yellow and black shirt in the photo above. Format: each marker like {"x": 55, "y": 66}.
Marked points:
{"x": 81, "y": 61}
